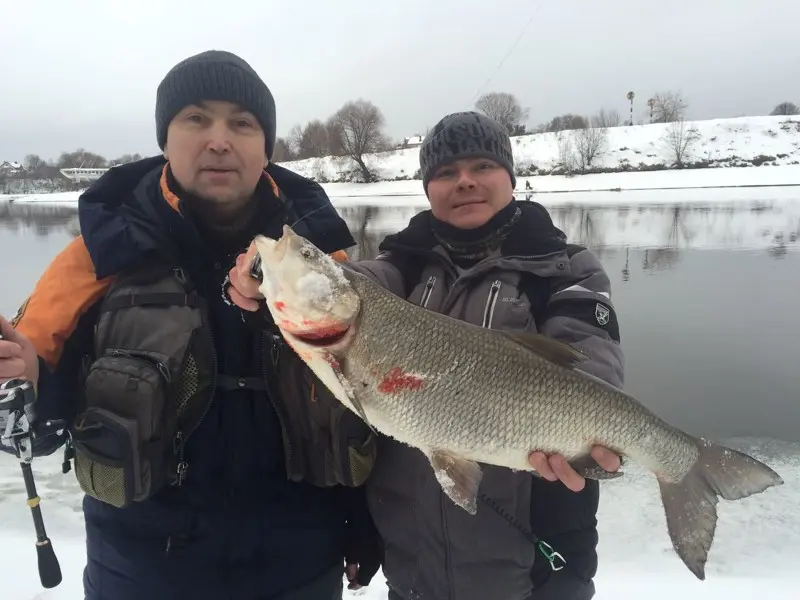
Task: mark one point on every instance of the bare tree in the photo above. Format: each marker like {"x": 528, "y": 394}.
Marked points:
{"x": 668, "y": 107}
{"x": 80, "y": 158}
{"x": 566, "y": 156}
{"x": 606, "y": 118}
{"x": 565, "y": 122}
{"x": 125, "y": 159}
{"x": 334, "y": 137}
{"x": 293, "y": 139}
{"x": 505, "y": 109}
{"x": 680, "y": 138}
{"x": 314, "y": 141}
{"x": 33, "y": 162}
{"x": 785, "y": 108}
{"x": 357, "y": 128}
{"x": 589, "y": 144}
{"x": 282, "y": 151}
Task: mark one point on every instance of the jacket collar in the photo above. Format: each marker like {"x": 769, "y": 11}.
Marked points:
{"x": 129, "y": 212}
{"x": 534, "y": 234}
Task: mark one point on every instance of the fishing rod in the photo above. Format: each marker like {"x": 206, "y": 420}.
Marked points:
{"x": 17, "y": 398}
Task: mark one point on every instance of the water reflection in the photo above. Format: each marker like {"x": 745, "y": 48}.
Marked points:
{"x": 40, "y": 219}
{"x": 662, "y": 231}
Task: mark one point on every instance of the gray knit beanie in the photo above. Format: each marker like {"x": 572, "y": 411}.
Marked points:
{"x": 214, "y": 75}
{"x": 465, "y": 135}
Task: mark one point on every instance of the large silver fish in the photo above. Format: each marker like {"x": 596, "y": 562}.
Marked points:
{"x": 465, "y": 395}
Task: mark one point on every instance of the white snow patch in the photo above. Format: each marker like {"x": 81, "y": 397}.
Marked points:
{"x": 728, "y": 145}
{"x": 316, "y": 287}
{"x": 773, "y": 141}
{"x": 756, "y": 547}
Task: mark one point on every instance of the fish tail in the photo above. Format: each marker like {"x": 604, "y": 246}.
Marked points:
{"x": 691, "y": 504}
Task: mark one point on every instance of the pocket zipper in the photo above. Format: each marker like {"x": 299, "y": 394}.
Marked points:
{"x": 491, "y": 303}
{"x": 117, "y": 353}
{"x": 426, "y": 293}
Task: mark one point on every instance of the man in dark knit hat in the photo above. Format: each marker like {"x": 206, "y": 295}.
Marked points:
{"x": 481, "y": 256}
{"x": 214, "y": 465}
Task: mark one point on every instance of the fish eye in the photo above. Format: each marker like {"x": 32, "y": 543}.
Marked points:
{"x": 306, "y": 252}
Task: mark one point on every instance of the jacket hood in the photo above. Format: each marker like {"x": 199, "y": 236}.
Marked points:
{"x": 124, "y": 216}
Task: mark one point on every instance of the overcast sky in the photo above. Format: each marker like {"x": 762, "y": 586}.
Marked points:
{"x": 84, "y": 74}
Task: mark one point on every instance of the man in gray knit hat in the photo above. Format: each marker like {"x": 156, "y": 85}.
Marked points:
{"x": 206, "y": 472}
{"x": 481, "y": 256}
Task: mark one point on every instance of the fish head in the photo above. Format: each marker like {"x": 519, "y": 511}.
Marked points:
{"x": 305, "y": 289}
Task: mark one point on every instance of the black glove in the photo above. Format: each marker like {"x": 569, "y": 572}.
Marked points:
{"x": 364, "y": 550}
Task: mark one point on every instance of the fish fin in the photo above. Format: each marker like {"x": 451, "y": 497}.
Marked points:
{"x": 460, "y": 478}
{"x": 361, "y": 412}
{"x": 336, "y": 365}
{"x": 587, "y": 467}
{"x": 691, "y": 504}
{"x": 557, "y": 352}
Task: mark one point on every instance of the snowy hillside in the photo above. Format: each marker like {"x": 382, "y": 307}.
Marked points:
{"x": 742, "y": 142}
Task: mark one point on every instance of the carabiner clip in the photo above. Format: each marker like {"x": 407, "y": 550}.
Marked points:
{"x": 552, "y": 556}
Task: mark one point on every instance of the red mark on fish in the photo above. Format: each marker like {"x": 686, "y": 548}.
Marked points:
{"x": 281, "y": 306}
{"x": 332, "y": 361}
{"x": 397, "y": 380}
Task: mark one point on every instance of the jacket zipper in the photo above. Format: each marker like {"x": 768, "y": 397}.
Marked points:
{"x": 491, "y": 303}
{"x": 426, "y": 293}
{"x": 162, "y": 369}
{"x": 180, "y": 441}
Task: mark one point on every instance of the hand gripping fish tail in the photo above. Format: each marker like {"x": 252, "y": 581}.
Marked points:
{"x": 465, "y": 395}
{"x": 17, "y": 399}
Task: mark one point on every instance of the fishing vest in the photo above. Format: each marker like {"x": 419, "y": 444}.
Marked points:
{"x": 151, "y": 380}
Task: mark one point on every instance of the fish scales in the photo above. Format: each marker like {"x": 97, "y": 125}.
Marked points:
{"x": 465, "y": 395}
{"x": 459, "y": 407}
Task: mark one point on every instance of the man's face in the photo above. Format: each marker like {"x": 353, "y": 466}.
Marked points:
{"x": 217, "y": 151}
{"x": 469, "y": 192}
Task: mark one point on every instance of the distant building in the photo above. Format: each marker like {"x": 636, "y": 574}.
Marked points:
{"x": 414, "y": 140}
{"x": 11, "y": 169}
{"x": 79, "y": 175}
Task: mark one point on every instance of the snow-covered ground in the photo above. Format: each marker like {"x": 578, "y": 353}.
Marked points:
{"x": 729, "y": 147}
{"x": 719, "y": 142}
{"x": 756, "y": 550}
{"x": 682, "y": 186}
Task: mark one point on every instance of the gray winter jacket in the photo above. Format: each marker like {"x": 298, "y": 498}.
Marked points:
{"x": 433, "y": 549}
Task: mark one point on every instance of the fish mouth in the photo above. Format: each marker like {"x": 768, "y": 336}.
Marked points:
{"x": 324, "y": 338}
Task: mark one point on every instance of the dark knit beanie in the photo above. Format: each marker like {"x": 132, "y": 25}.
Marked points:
{"x": 214, "y": 75}
{"x": 465, "y": 135}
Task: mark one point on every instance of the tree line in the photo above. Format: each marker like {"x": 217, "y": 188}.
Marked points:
{"x": 80, "y": 158}
{"x": 358, "y": 128}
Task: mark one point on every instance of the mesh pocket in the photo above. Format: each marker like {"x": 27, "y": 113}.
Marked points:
{"x": 120, "y": 444}
{"x": 362, "y": 459}
{"x": 107, "y": 461}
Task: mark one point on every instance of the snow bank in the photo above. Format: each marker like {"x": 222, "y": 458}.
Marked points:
{"x": 741, "y": 142}
{"x": 684, "y": 186}
{"x": 633, "y": 158}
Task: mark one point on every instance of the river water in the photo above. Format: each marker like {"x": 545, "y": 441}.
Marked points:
{"x": 707, "y": 298}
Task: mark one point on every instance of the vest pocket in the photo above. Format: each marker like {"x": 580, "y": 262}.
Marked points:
{"x": 106, "y": 456}
{"x": 353, "y": 447}
{"x": 120, "y": 447}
